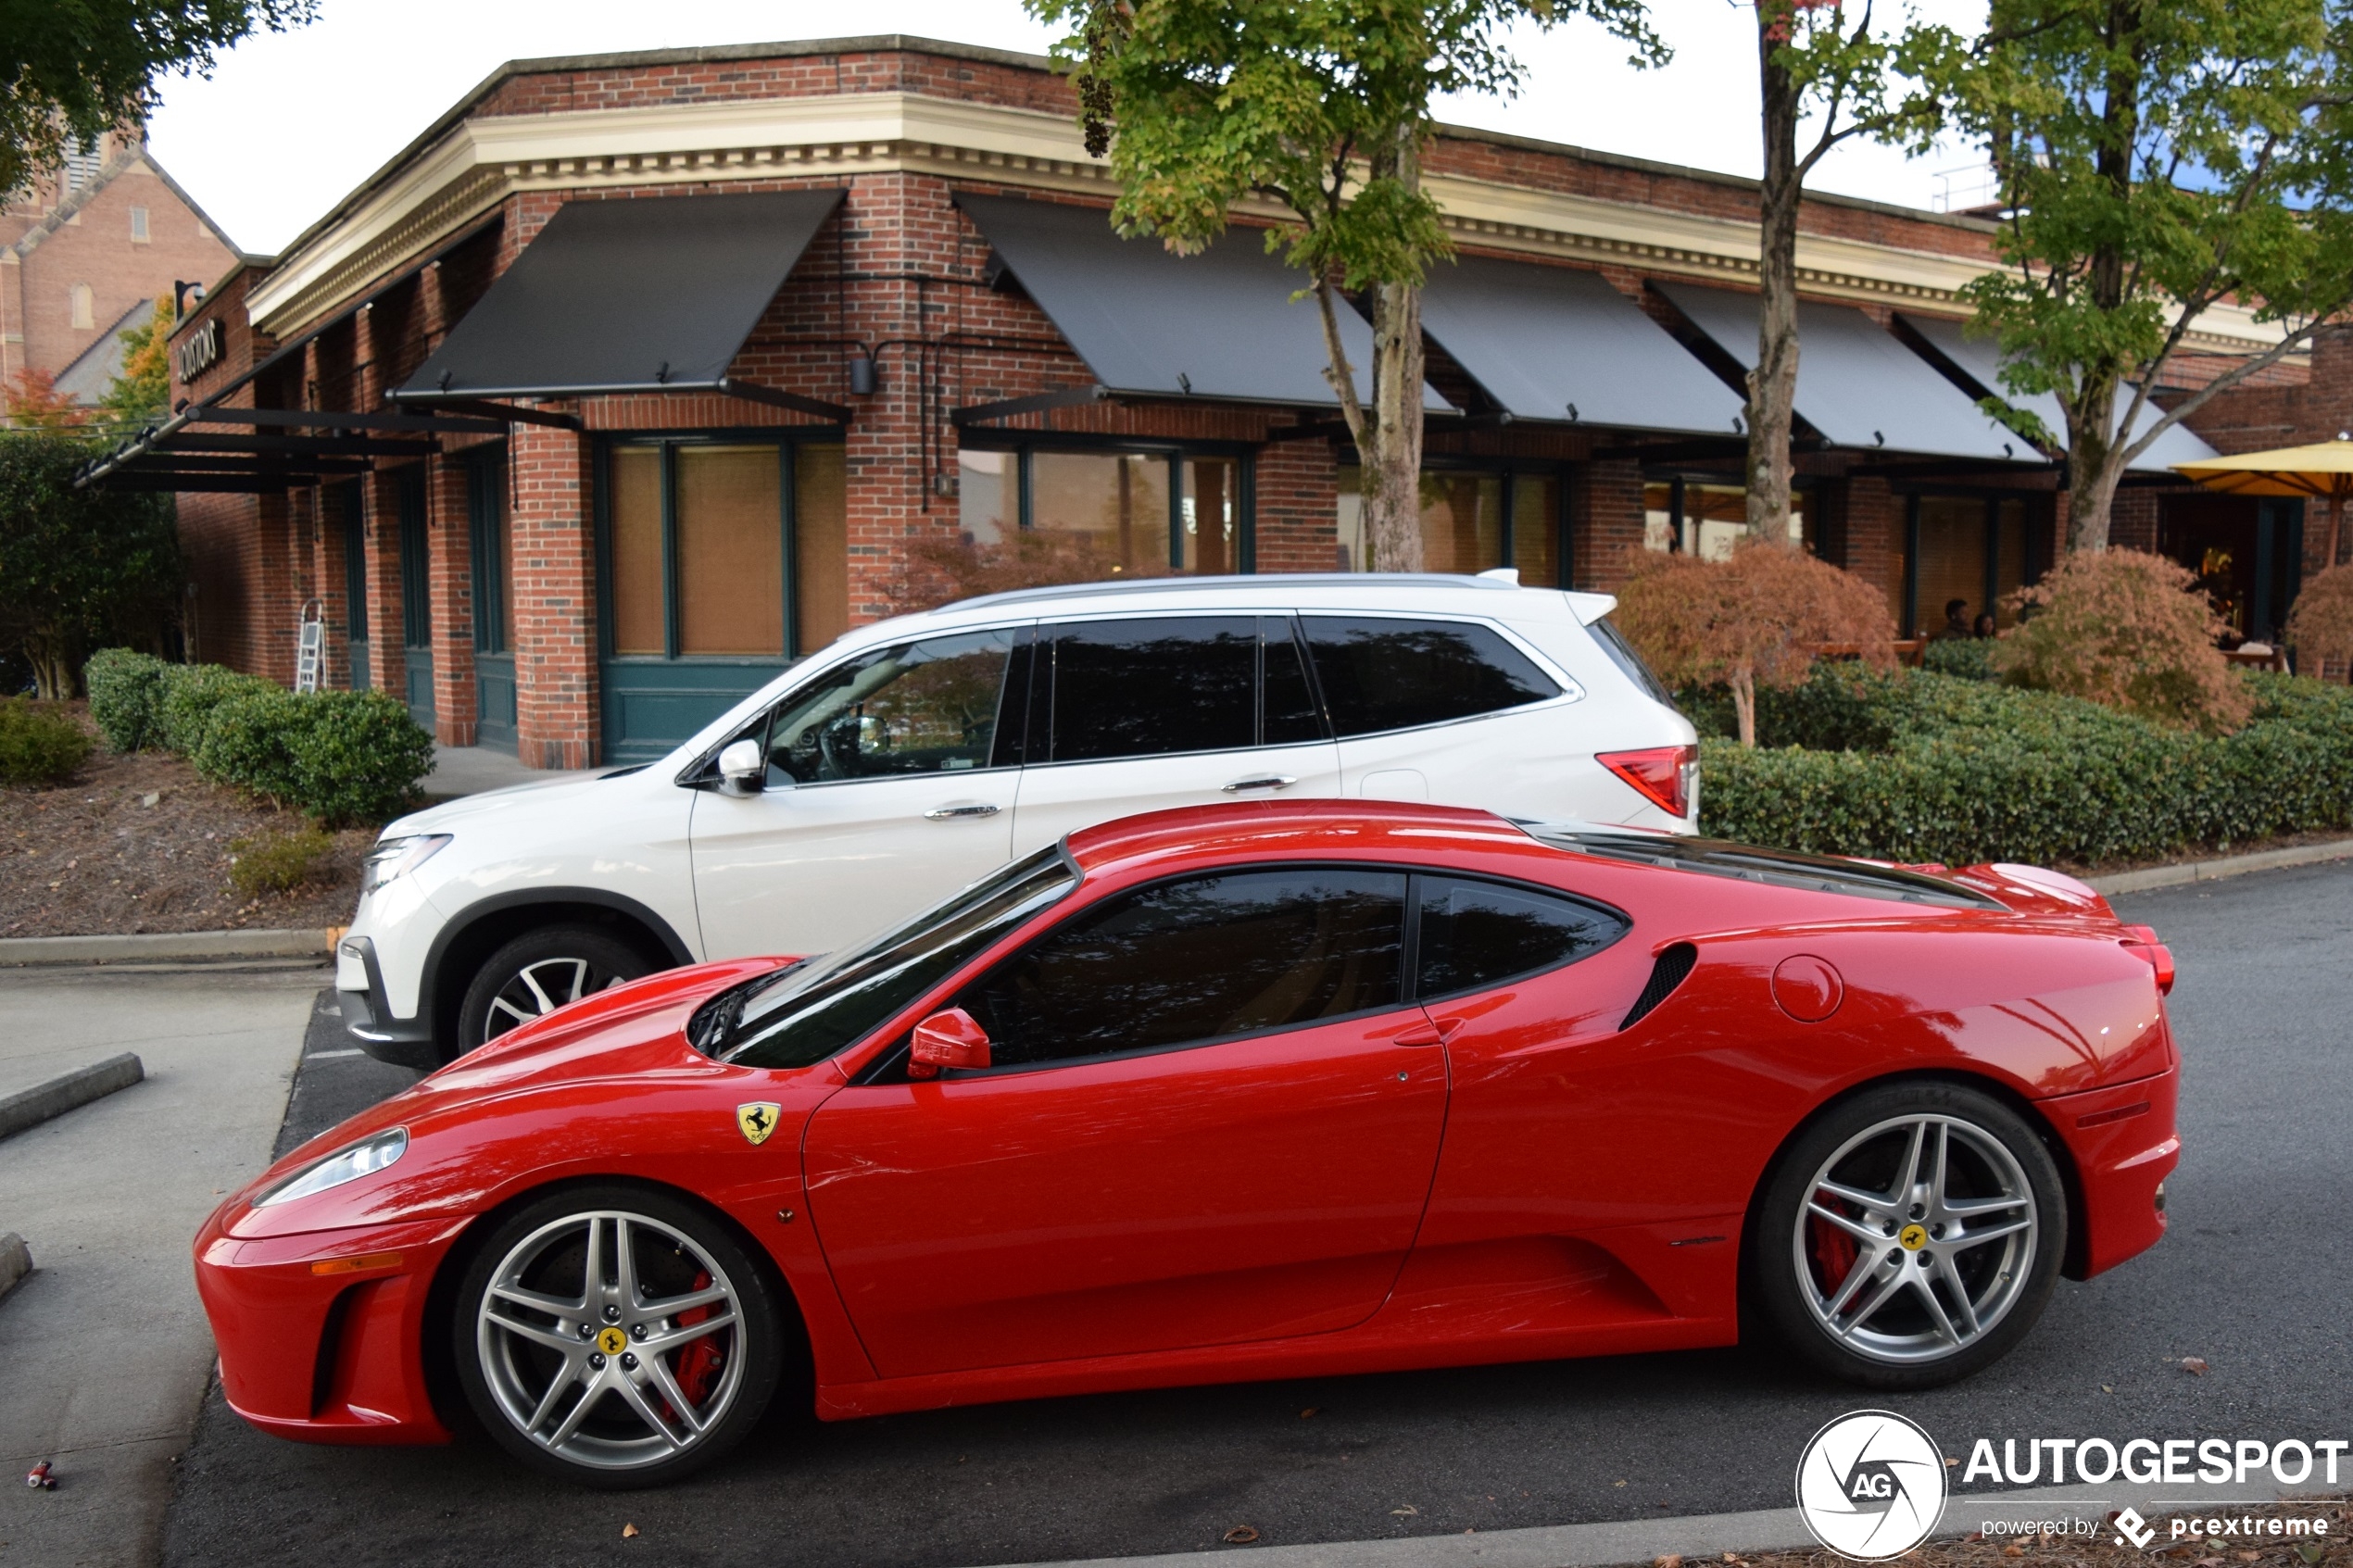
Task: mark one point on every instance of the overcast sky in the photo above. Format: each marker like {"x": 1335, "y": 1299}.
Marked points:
{"x": 291, "y": 122}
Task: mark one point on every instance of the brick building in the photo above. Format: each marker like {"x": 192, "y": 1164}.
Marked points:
{"x": 636, "y": 377}
{"x": 86, "y": 250}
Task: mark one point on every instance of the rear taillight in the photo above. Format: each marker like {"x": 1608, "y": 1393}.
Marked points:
{"x": 1662, "y": 774}
{"x": 2142, "y": 939}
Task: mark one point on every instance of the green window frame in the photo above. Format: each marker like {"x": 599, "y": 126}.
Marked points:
{"x": 1174, "y": 453}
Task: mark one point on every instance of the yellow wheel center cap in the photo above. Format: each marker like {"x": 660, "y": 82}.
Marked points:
{"x": 613, "y": 1342}
{"x": 1912, "y": 1237}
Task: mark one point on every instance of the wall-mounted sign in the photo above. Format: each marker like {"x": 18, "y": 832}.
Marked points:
{"x": 198, "y": 352}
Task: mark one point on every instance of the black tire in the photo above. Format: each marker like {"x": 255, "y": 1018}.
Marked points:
{"x": 567, "y": 962}
{"x": 610, "y": 1446}
{"x": 1947, "y": 1293}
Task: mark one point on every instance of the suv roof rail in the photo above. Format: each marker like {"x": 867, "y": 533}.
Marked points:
{"x": 1265, "y": 580}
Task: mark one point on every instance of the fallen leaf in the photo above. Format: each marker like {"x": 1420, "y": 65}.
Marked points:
{"x": 1308, "y": 1411}
{"x": 2193, "y": 1365}
{"x": 1241, "y": 1534}
{"x": 1617, "y": 1482}
{"x": 2249, "y": 1556}
{"x": 2308, "y": 1550}
{"x": 1407, "y": 1511}
{"x": 1669, "y": 1559}
{"x": 2013, "y": 1549}
{"x": 1950, "y": 1462}
{"x": 2108, "y": 1387}
{"x": 627, "y": 1531}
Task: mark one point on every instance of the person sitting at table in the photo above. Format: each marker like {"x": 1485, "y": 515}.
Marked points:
{"x": 1983, "y": 625}
{"x": 1955, "y": 627}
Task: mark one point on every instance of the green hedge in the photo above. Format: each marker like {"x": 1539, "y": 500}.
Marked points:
{"x": 39, "y": 744}
{"x": 336, "y": 757}
{"x": 1931, "y": 767}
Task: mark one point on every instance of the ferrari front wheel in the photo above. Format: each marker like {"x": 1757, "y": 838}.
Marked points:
{"x": 616, "y": 1336}
{"x": 1911, "y": 1236}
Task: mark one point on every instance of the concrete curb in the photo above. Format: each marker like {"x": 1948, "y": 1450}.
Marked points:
{"x": 1693, "y": 1537}
{"x": 29, "y": 1108}
{"x": 16, "y": 1261}
{"x": 164, "y": 945}
{"x": 2205, "y": 871}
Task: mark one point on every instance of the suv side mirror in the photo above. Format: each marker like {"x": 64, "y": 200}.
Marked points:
{"x": 742, "y": 768}
{"x": 953, "y": 1038}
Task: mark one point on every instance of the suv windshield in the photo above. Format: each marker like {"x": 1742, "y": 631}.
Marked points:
{"x": 805, "y": 1013}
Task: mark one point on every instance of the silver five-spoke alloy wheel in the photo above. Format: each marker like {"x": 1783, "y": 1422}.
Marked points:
{"x": 611, "y": 1340}
{"x": 542, "y": 987}
{"x": 1917, "y": 1239}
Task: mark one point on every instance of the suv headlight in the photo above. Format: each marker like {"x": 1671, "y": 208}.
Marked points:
{"x": 398, "y": 856}
{"x": 362, "y": 1159}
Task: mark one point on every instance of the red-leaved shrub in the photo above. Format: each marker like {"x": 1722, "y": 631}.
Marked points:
{"x": 1758, "y": 619}
{"x": 2321, "y": 626}
{"x": 2130, "y": 631}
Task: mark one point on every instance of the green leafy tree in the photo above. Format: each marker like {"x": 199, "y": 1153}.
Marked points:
{"x": 1826, "y": 64}
{"x": 143, "y": 391}
{"x": 2154, "y": 160}
{"x": 1322, "y": 108}
{"x": 76, "y": 565}
{"x": 72, "y": 70}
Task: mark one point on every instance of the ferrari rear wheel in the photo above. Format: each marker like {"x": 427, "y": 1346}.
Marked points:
{"x": 617, "y": 1336}
{"x": 1911, "y": 1236}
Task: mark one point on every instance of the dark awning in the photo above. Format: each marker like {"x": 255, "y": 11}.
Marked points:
{"x": 1219, "y": 323}
{"x": 1856, "y": 384}
{"x": 652, "y": 294}
{"x": 1553, "y": 343}
{"x": 1976, "y": 363}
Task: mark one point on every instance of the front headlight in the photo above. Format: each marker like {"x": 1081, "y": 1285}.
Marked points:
{"x": 398, "y": 856}
{"x": 361, "y": 1160}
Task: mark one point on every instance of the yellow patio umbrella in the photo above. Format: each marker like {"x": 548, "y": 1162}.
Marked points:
{"x": 2321, "y": 471}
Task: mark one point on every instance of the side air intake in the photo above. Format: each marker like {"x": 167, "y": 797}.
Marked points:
{"x": 1666, "y": 974}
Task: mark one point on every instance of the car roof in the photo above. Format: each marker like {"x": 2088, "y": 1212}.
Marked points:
{"x": 1491, "y": 596}
{"x": 1349, "y": 828}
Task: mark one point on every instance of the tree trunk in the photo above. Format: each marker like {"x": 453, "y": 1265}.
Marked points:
{"x": 1772, "y": 386}
{"x": 1743, "y": 684}
{"x": 1388, "y": 432}
{"x": 2093, "y": 466}
{"x": 54, "y": 668}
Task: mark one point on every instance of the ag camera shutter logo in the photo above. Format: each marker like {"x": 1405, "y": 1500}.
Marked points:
{"x": 1870, "y": 1485}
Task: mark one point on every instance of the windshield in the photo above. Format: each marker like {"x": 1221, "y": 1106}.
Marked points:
{"x": 806, "y": 1013}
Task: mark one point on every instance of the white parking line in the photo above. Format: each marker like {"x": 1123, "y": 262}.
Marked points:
{"x": 330, "y": 1056}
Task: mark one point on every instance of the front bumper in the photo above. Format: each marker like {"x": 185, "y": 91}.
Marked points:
{"x": 368, "y": 1017}
{"x": 322, "y": 1334}
{"x": 2124, "y": 1145}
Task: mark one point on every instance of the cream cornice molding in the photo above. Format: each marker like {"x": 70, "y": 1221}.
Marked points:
{"x": 484, "y": 160}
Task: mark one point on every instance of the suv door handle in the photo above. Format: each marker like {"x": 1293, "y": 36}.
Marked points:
{"x": 1264, "y": 781}
{"x": 943, "y": 813}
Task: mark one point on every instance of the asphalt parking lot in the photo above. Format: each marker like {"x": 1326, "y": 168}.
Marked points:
{"x": 2254, "y": 1279}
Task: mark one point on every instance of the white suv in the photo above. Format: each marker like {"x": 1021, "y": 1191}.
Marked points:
{"x": 915, "y": 756}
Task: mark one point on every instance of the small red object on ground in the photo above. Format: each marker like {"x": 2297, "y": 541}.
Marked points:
{"x": 39, "y": 1478}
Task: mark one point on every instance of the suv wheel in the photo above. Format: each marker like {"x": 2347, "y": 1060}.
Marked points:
{"x": 1911, "y": 1236}
{"x": 539, "y": 973}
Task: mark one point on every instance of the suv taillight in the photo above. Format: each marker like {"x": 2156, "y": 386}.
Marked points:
{"x": 1662, "y": 774}
{"x": 2141, "y": 941}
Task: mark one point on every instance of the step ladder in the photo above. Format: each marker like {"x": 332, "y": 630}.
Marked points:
{"x": 311, "y": 647}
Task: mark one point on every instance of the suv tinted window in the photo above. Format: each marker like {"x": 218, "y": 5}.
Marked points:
{"x": 1146, "y": 688}
{"x": 1383, "y": 674}
{"x": 1203, "y": 959}
{"x": 1475, "y": 934}
{"x": 919, "y": 707}
{"x": 1621, "y": 653}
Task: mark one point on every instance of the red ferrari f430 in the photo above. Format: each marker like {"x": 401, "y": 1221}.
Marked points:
{"x": 1239, "y": 1092}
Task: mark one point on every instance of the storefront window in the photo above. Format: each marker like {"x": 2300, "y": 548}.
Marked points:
{"x": 1708, "y": 519}
{"x": 696, "y": 536}
{"x": 1112, "y": 508}
{"x": 1972, "y": 550}
{"x": 1472, "y": 522}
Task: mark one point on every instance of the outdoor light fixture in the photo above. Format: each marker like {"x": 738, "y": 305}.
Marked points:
{"x": 863, "y": 379}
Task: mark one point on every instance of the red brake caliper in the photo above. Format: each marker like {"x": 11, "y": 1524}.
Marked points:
{"x": 1834, "y": 1254}
{"x": 699, "y": 1362}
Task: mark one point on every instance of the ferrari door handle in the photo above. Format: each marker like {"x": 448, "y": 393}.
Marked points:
{"x": 1268, "y": 780}
{"x": 1436, "y": 1032}
{"x": 945, "y": 813}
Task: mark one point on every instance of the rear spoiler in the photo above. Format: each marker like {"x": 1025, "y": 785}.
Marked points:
{"x": 1590, "y": 607}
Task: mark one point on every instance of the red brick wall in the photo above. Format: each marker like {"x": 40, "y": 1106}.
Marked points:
{"x": 553, "y": 590}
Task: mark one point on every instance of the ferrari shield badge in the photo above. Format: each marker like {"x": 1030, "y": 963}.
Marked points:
{"x": 757, "y": 1120}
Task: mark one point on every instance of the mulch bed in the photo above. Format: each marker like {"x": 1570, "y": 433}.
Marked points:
{"x": 140, "y": 843}
{"x": 2102, "y": 1550}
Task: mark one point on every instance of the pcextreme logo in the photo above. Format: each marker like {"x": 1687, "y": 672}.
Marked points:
{"x": 1870, "y": 1485}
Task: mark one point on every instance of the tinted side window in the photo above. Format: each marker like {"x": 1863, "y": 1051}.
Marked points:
{"x": 1203, "y": 958}
{"x": 919, "y": 707}
{"x": 1143, "y": 688}
{"x": 1478, "y": 934}
{"x": 1380, "y": 674}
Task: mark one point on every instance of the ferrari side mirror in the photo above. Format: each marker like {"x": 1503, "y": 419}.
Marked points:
{"x": 741, "y": 767}
{"x": 953, "y": 1038}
